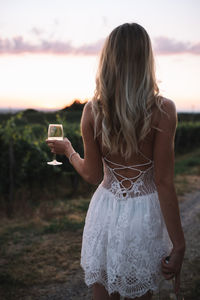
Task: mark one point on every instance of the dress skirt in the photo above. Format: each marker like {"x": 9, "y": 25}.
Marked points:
{"x": 124, "y": 242}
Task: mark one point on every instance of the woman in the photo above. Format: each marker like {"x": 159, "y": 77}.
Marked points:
{"x": 133, "y": 219}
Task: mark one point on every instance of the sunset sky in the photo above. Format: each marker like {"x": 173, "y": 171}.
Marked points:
{"x": 49, "y": 49}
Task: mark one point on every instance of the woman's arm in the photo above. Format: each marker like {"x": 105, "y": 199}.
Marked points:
{"x": 90, "y": 167}
{"x": 164, "y": 179}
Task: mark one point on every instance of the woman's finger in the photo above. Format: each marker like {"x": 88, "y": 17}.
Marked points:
{"x": 177, "y": 282}
{"x": 168, "y": 276}
{"x": 168, "y": 272}
{"x": 50, "y": 142}
{"x": 168, "y": 269}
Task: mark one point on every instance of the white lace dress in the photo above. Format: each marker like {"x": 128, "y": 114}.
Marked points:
{"x": 125, "y": 237}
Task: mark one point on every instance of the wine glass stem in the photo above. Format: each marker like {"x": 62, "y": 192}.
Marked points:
{"x": 54, "y": 156}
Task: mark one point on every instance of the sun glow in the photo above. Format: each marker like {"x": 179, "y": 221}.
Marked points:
{"x": 179, "y": 80}
{"x": 54, "y": 81}
{"x": 46, "y": 81}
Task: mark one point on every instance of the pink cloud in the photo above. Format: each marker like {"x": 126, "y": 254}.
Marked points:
{"x": 167, "y": 46}
{"x": 90, "y": 49}
{"x": 36, "y": 31}
{"x": 17, "y": 45}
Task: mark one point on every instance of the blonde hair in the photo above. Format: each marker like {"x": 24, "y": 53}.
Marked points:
{"x": 126, "y": 89}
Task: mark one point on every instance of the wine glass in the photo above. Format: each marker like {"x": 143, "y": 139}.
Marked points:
{"x": 55, "y": 132}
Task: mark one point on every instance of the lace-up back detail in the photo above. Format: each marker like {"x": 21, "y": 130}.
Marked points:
{"x": 140, "y": 184}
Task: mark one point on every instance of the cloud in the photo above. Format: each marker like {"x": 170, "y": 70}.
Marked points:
{"x": 167, "y": 46}
{"x": 17, "y": 45}
{"x": 36, "y": 31}
{"x": 90, "y": 49}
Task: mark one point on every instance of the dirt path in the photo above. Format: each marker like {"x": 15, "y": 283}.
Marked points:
{"x": 190, "y": 215}
{"x": 75, "y": 289}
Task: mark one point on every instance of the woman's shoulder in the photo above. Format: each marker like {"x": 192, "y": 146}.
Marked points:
{"x": 88, "y": 107}
{"x": 168, "y": 105}
{"x": 168, "y": 113}
{"x": 92, "y": 108}
{"x": 165, "y": 113}
{"x": 88, "y": 112}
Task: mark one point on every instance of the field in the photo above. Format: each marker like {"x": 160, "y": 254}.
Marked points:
{"x": 41, "y": 224}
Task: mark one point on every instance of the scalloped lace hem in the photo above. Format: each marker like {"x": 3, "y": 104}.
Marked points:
{"x": 130, "y": 292}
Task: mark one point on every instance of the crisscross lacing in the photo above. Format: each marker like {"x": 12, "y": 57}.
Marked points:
{"x": 116, "y": 185}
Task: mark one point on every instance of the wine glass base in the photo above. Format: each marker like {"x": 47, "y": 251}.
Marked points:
{"x": 54, "y": 163}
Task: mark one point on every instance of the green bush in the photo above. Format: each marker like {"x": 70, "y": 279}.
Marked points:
{"x": 187, "y": 137}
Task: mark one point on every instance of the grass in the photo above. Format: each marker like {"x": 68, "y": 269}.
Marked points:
{"x": 187, "y": 172}
{"x": 44, "y": 247}
{"x": 63, "y": 224}
{"x": 188, "y": 163}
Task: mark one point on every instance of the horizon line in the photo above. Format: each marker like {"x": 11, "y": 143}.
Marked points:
{"x": 43, "y": 109}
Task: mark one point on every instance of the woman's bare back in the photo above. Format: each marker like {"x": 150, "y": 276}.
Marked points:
{"x": 139, "y": 162}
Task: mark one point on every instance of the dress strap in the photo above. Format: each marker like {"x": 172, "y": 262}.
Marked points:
{"x": 145, "y": 156}
{"x": 149, "y": 161}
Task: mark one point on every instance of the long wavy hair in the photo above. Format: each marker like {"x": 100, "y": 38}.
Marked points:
{"x": 126, "y": 90}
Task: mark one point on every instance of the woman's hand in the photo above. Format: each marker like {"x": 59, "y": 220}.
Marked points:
{"x": 60, "y": 147}
{"x": 172, "y": 268}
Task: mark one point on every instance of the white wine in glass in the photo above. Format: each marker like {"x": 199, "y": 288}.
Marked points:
{"x": 55, "y": 132}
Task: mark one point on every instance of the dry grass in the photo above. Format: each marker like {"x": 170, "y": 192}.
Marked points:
{"x": 187, "y": 173}
{"x": 44, "y": 249}
{"x": 185, "y": 184}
